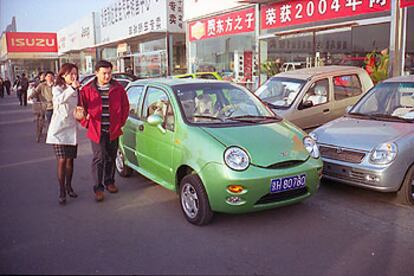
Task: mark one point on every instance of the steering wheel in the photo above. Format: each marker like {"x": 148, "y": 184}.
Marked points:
{"x": 228, "y": 110}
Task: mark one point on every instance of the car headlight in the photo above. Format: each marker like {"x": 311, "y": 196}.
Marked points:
{"x": 236, "y": 159}
{"x": 383, "y": 154}
{"x": 311, "y": 147}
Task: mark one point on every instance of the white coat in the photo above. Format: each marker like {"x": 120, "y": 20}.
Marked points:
{"x": 63, "y": 128}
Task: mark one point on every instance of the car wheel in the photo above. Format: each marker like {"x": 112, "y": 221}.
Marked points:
{"x": 406, "y": 193}
{"x": 121, "y": 168}
{"x": 194, "y": 201}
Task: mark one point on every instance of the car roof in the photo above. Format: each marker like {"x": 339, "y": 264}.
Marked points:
{"x": 400, "y": 79}
{"x": 307, "y": 73}
{"x": 174, "y": 81}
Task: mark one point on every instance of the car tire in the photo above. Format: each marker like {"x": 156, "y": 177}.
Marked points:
{"x": 194, "y": 201}
{"x": 122, "y": 169}
{"x": 406, "y": 193}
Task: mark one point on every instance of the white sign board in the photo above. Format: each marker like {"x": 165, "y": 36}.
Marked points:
{"x": 199, "y": 8}
{"x": 122, "y": 19}
{"x": 77, "y": 36}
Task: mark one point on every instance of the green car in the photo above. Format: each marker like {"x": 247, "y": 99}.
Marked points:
{"x": 201, "y": 75}
{"x": 218, "y": 146}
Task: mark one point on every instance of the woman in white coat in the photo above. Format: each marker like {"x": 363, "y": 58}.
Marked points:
{"x": 62, "y": 133}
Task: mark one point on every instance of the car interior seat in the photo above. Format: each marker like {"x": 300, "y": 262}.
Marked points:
{"x": 187, "y": 99}
{"x": 320, "y": 95}
{"x": 406, "y": 105}
{"x": 204, "y": 105}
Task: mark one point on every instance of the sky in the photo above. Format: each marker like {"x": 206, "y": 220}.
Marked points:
{"x": 45, "y": 15}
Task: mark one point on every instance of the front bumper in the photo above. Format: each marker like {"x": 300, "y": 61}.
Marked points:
{"x": 256, "y": 182}
{"x": 378, "y": 178}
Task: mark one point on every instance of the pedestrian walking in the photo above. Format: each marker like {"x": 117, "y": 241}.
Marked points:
{"x": 44, "y": 93}
{"x": 7, "y": 86}
{"x": 106, "y": 105}
{"x": 22, "y": 89}
{"x": 1, "y": 88}
{"x": 62, "y": 133}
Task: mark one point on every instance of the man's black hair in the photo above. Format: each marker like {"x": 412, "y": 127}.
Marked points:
{"x": 103, "y": 64}
{"x": 49, "y": 72}
{"x": 23, "y": 75}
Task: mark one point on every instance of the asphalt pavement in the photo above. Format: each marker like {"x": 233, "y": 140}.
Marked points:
{"x": 342, "y": 230}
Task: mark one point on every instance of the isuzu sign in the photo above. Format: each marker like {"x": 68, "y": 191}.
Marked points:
{"x": 31, "y": 42}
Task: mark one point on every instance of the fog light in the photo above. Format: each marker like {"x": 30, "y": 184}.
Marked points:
{"x": 372, "y": 178}
{"x": 235, "y": 200}
{"x": 235, "y": 189}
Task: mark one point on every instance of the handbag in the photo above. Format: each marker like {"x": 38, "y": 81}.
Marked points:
{"x": 79, "y": 112}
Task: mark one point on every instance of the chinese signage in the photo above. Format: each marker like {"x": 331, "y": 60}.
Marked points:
{"x": 31, "y": 42}
{"x": 127, "y": 18}
{"x": 287, "y": 13}
{"x": 175, "y": 15}
{"x": 406, "y": 3}
{"x": 230, "y": 23}
{"x": 78, "y": 36}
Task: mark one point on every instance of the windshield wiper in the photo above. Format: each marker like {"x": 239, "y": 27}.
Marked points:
{"x": 207, "y": 117}
{"x": 247, "y": 118}
{"x": 389, "y": 117}
{"x": 359, "y": 114}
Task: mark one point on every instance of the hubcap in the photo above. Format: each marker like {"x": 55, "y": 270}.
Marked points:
{"x": 119, "y": 161}
{"x": 189, "y": 200}
{"x": 412, "y": 188}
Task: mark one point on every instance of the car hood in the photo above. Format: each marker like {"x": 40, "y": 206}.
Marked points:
{"x": 361, "y": 134}
{"x": 266, "y": 144}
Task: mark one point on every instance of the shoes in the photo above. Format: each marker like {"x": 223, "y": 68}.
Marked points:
{"x": 99, "y": 196}
{"x": 112, "y": 188}
{"x": 71, "y": 193}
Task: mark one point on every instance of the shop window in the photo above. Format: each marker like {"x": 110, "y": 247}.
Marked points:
{"x": 317, "y": 94}
{"x": 134, "y": 97}
{"x": 346, "y": 86}
{"x": 156, "y": 102}
{"x": 409, "y": 50}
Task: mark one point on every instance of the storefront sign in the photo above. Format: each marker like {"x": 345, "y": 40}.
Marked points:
{"x": 175, "y": 16}
{"x": 127, "y": 18}
{"x": 31, "y": 42}
{"x": 287, "y": 13}
{"x": 406, "y": 3}
{"x": 230, "y": 23}
{"x": 77, "y": 36}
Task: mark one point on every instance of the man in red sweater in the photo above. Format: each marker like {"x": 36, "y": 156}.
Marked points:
{"x": 106, "y": 105}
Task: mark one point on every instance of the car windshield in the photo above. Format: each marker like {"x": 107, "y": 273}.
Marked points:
{"x": 387, "y": 101}
{"x": 280, "y": 92}
{"x": 221, "y": 103}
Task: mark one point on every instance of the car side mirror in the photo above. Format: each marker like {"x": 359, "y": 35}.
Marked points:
{"x": 348, "y": 108}
{"x": 156, "y": 121}
{"x": 306, "y": 104}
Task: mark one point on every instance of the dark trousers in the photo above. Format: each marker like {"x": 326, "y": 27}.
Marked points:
{"x": 103, "y": 162}
{"x": 22, "y": 97}
{"x": 49, "y": 114}
{"x": 1, "y": 91}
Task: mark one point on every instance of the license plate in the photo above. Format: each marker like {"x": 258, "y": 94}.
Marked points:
{"x": 287, "y": 183}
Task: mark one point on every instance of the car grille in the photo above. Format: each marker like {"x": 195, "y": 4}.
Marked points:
{"x": 336, "y": 153}
{"x": 270, "y": 198}
{"x": 286, "y": 164}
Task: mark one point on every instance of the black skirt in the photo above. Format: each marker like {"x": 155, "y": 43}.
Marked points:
{"x": 65, "y": 151}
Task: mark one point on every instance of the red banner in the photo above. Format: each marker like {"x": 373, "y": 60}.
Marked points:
{"x": 230, "y": 23}
{"x": 31, "y": 42}
{"x": 287, "y": 13}
{"x": 406, "y": 3}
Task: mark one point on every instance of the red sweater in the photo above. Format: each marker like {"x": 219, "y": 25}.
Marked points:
{"x": 118, "y": 110}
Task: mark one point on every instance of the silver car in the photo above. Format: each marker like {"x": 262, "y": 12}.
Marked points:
{"x": 373, "y": 145}
{"x": 314, "y": 96}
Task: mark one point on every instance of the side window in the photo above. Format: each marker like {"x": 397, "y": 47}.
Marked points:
{"x": 346, "y": 86}
{"x": 317, "y": 94}
{"x": 157, "y": 102}
{"x": 134, "y": 97}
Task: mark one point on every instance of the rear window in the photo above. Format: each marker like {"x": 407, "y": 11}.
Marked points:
{"x": 346, "y": 86}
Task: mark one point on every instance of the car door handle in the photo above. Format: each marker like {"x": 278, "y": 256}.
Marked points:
{"x": 326, "y": 110}
{"x": 141, "y": 128}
